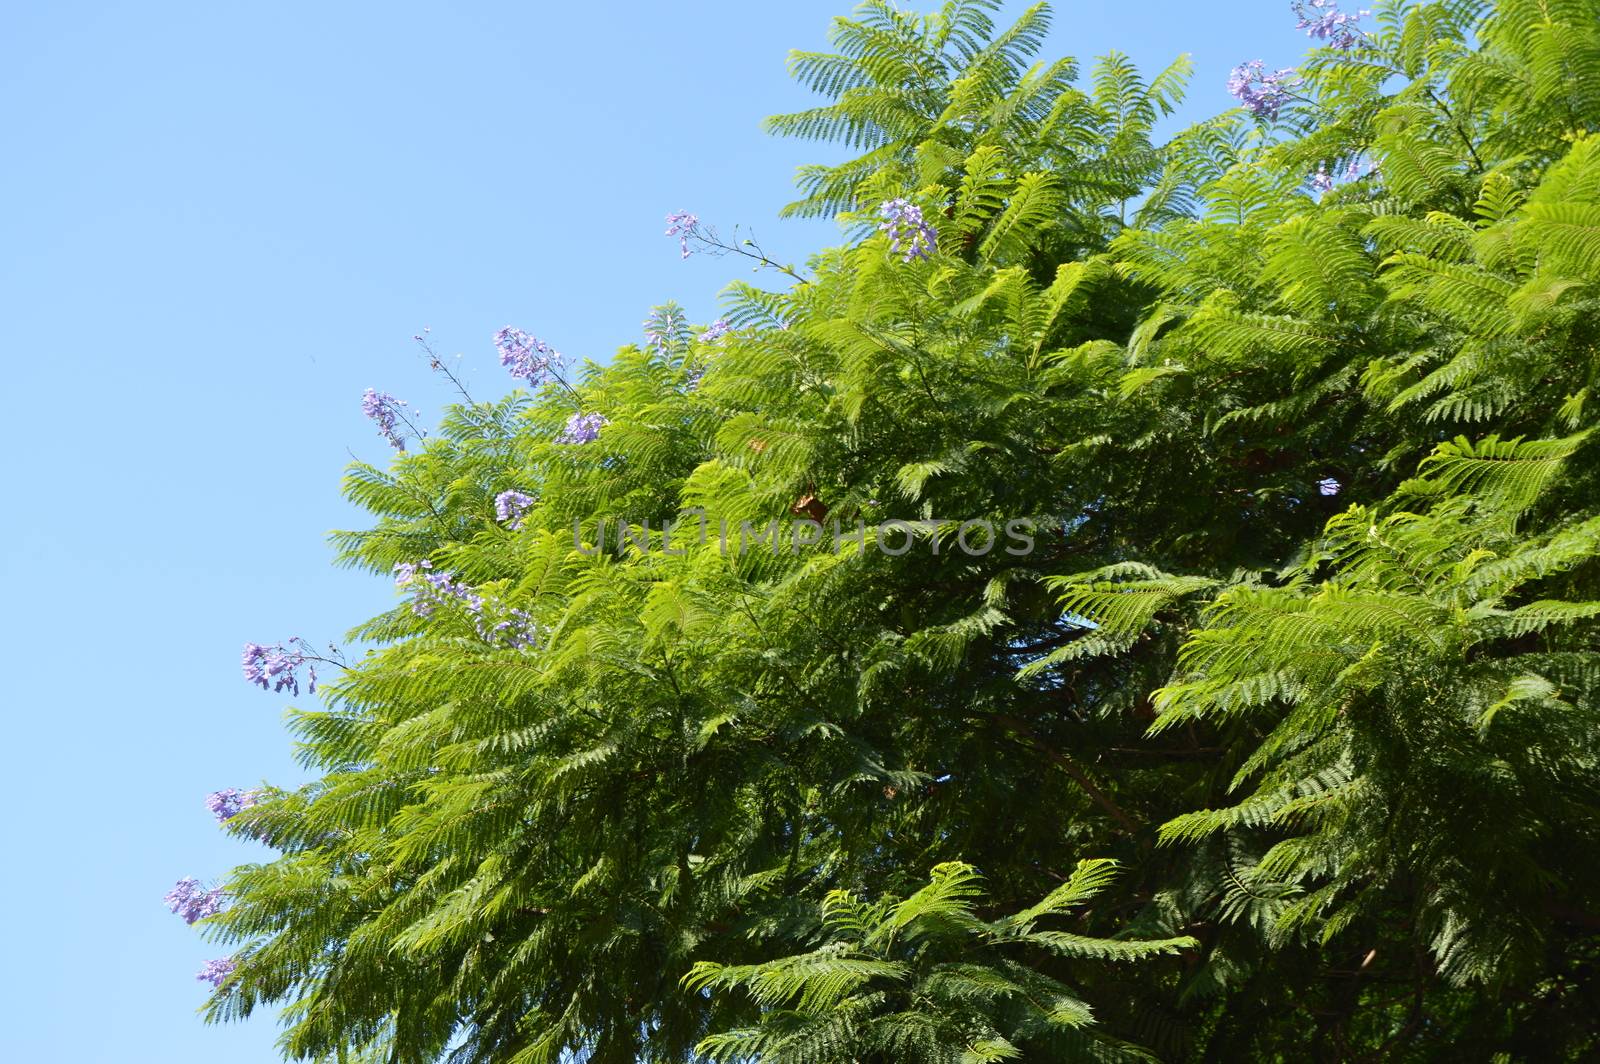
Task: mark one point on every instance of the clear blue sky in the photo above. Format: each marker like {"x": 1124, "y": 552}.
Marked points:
{"x": 221, "y": 223}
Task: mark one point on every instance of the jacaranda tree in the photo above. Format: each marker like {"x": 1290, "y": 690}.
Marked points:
{"x": 1136, "y": 598}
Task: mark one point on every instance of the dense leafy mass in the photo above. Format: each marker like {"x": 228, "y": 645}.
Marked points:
{"x": 1278, "y": 739}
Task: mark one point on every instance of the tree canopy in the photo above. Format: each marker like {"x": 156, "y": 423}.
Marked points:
{"x": 1177, "y": 640}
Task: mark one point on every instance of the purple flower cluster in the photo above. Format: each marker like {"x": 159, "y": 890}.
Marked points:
{"x": 193, "y": 902}
{"x": 1263, "y": 93}
{"x": 582, "y": 428}
{"x": 385, "y": 410}
{"x": 511, "y": 505}
{"x": 229, "y": 803}
{"x": 494, "y": 623}
{"x": 666, "y": 327}
{"x": 516, "y": 630}
{"x": 1322, "y": 20}
{"x": 216, "y": 971}
{"x": 682, "y": 225}
{"x": 903, "y": 221}
{"x": 275, "y": 667}
{"x": 527, "y": 357}
{"x": 1328, "y": 486}
{"x": 1323, "y": 181}
{"x": 431, "y": 588}
{"x": 715, "y": 331}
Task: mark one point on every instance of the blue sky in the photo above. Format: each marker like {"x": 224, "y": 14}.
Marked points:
{"x": 222, "y": 222}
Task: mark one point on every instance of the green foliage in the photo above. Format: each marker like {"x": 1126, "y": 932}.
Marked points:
{"x": 925, "y": 978}
{"x": 1304, "y": 638}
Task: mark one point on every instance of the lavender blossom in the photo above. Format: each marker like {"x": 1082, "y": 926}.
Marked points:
{"x": 430, "y": 589}
{"x": 715, "y": 331}
{"x": 1358, "y": 166}
{"x": 405, "y": 572}
{"x": 385, "y": 410}
{"x": 1322, "y": 20}
{"x": 215, "y": 971}
{"x": 1321, "y": 181}
{"x": 511, "y": 505}
{"x": 1328, "y": 486}
{"x": 517, "y": 630}
{"x": 275, "y": 667}
{"x": 903, "y": 221}
{"x": 493, "y": 622}
{"x": 527, "y": 357}
{"x": 682, "y": 225}
{"x": 582, "y": 428}
{"x": 666, "y": 327}
{"x": 1264, "y": 94}
{"x": 229, "y": 803}
{"x": 193, "y": 902}
{"x": 254, "y": 664}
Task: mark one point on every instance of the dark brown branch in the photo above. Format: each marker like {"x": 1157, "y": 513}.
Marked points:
{"x": 1079, "y": 776}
